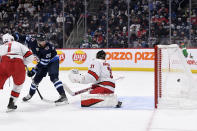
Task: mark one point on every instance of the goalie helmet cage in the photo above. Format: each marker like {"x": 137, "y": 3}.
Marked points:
{"x": 174, "y": 83}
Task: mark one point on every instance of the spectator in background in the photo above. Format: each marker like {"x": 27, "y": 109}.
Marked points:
{"x": 85, "y": 43}
{"x": 40, "y": 16}
{"x": 39, "y": 13}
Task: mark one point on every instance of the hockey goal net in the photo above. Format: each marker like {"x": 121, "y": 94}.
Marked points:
{"x": 174, "y": 82}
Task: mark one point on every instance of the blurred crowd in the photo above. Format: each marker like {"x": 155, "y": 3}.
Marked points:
{"x": 141, "y": 33}
{"x": 40, "y": 16}
{"x": 148, "y": 21}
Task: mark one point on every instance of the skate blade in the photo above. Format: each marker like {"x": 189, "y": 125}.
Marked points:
{"x": 10, "y": 110}
{"x": 119, "y": 104}
{"x": 61, "y": 103}
{"x": 48, "y": 101}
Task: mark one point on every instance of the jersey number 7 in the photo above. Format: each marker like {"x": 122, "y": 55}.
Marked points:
{"x": 9, "y": 47}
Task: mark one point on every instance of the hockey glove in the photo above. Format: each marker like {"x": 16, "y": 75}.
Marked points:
{"x": 75, "y": 77}
{"x": 32, "y": 72}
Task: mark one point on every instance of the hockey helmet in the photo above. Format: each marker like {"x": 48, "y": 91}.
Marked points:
{"x": 100, "y": 54}
{"x": 40, "y": 37}
{"x": 7, "y": 38}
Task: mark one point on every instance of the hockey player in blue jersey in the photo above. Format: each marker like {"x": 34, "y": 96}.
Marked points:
{"x": 48, "y": 63}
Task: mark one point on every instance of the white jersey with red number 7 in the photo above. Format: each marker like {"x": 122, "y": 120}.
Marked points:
{"x": 15, "y": 49}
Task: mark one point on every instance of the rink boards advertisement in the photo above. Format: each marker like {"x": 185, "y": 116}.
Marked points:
{"x": 120, "y": 59}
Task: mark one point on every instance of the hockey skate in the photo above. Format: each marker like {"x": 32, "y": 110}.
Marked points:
{"x": 119, "y": 104}
{"x": 62, "y": 100}
{"x": 26, "y": 98}
{"x": 11, "y": 106}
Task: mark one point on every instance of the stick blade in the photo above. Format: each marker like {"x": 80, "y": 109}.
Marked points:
{"x": 48, "y": 101}
{"x": 10, "y": 110}
{"x": 61, "y": 103}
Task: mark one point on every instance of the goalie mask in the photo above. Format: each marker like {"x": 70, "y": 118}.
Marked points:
{"x": 7, "y": 38}
{"x": 101, "y": 55}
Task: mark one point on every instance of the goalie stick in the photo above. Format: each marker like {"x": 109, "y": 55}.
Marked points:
{"x": 41, "y": 97}
{"x": 83, "y": 90}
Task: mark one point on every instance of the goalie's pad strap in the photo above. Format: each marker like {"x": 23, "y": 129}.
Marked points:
{"x": 96, "y": 89}
{"x": 107, "y": 83}
{"x": 90, "y": 102}
{"x": 98, "y": 100}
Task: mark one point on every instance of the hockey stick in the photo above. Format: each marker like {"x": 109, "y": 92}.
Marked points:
{"x": 77, "y": 92}
{"x": 43, "y": 99}
{"x": 83, "y": 90}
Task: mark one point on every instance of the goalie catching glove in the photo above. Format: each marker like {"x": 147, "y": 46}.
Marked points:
{"x": 75, "y": 77}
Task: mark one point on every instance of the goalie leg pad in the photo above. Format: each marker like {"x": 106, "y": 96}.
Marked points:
{"x": 99, "y": 100}
{"x": 100, "y": 90}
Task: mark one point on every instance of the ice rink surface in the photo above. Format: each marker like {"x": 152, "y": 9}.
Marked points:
{"x": 137, "y": 112}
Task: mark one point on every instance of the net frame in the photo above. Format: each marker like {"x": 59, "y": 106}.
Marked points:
{"x": 185, "y": 93}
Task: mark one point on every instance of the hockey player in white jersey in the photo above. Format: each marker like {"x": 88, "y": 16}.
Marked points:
{"x": 14, "y": 57}
{"x": 103, "y": 87}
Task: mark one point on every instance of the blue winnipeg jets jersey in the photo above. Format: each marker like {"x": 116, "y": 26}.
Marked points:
{"x": 45, "y": 54}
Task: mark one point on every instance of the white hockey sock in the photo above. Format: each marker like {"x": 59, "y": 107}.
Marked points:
{"x": 16, "y": 92}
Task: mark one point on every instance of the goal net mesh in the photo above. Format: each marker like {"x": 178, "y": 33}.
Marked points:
{"x": 174, "y": 82}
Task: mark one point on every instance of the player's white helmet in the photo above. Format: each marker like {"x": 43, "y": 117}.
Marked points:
{"x": 7, "y": 38}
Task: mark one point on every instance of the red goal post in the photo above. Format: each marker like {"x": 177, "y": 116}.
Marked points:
{"x": 174, "y": 82}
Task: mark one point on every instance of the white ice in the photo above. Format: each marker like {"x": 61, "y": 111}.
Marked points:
{"x": 136, "y": 91}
